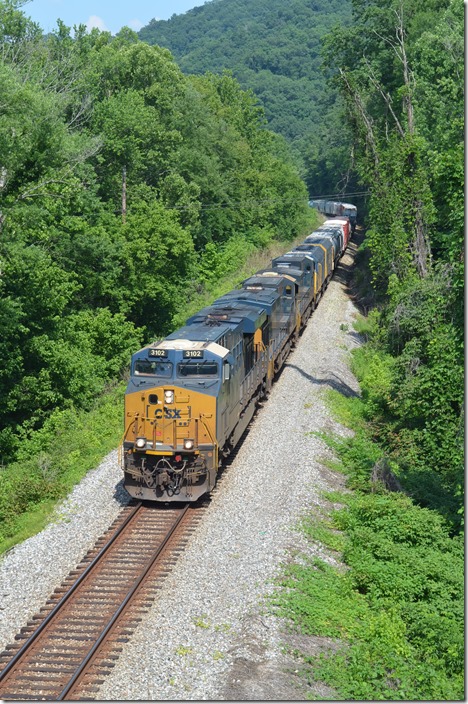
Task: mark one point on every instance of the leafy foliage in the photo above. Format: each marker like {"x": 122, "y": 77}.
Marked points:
{"x": 87, "y": 275}
{"x": 396, "y": 612}
{"x": 52, "y": 460}
{"x": 274, "y": 50}
{"x": 400, "y": 82}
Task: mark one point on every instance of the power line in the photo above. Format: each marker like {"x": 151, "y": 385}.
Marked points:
{"x": 257, "y": 203}
{"x": 340, "y": 196}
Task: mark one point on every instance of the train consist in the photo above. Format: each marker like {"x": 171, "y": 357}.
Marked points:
{"x": 336, "y": 209}
{"x": 191, "y": 396}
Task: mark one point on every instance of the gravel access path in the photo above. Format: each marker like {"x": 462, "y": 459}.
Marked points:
{"x": 209, "y": 636}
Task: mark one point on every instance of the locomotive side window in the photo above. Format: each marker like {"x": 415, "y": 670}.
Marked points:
{"x": 266, "y": 333}
{"x": 153, "y": 367}
{"x": 287, "y": 301}
{"x": 194, "y": 368}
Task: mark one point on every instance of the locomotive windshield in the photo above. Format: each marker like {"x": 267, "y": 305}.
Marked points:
{"x": 193, "y": 367}
{"x": 153, "y": 367}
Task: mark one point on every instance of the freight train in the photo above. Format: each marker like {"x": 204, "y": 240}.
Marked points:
{"x": 191, "y": 396}
{"x": 333, "y": 208}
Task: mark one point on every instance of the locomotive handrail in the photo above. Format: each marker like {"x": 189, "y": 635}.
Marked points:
{"x": 208, "y": 431}
{"x": 120, "y": 448}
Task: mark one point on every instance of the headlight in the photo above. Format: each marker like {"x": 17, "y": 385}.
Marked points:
{"x": 188, "y": 444}
{"x": 169, "y": 396}
{"x": 140, "y": 442}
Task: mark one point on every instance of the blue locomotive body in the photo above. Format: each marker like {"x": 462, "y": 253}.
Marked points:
{"x": 191, "y": 396}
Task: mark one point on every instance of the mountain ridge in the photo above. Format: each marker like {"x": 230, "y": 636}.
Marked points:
{"x": 272, "y": 49}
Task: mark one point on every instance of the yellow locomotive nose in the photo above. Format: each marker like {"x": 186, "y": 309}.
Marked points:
{"x": 169, "y": 448}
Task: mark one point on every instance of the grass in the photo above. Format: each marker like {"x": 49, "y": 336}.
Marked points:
{"x": 31, "y": 488}
{"x": 29, "y": 523}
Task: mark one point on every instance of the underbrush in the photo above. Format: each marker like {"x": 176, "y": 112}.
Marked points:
{"x": 391, "y": 593}
{"x": 52, "y": 461}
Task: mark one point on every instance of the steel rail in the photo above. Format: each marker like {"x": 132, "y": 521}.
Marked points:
{"x": 17, "y": 657}
{"x": 82, "y": 667}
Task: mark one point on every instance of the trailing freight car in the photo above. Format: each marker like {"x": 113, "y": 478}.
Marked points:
{"x": 336, "y": 209}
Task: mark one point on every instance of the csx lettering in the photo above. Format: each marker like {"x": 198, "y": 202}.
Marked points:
{"x": 169, "y": 413}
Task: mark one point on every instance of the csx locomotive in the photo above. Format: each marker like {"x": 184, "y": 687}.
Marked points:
{"x": 191, "y": 396}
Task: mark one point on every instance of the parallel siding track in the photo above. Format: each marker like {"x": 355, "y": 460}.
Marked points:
{"x": 65, "y": 651}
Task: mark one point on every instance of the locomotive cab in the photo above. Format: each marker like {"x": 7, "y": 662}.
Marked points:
{"x": 302, "y": 281}
{"x": 170, "y": 448}
{"x": 190, "y": 398}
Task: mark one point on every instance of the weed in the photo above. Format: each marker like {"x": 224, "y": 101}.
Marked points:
{"x": 224, "y": 627}
{"x": 397, "y": 608}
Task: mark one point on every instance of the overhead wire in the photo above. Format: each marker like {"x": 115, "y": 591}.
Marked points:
{"x": 258, "y": 203}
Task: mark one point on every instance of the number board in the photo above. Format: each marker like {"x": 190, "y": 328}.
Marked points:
{"x": 158, "y": 353}
{"x": 193, "y": 354}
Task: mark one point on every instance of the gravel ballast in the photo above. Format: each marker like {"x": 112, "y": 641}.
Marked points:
{"x": 209, "y": 636}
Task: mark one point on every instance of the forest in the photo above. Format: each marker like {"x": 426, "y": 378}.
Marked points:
{"x": 133, "y": 180}
{"x": 86, "y": 279}
{"x": 404, "y": 101}
{"x": 400, "y": 606}
{"x": 391, "y": 73}
{"x": 274, "y": 49}
{"x": 127, "y": 190}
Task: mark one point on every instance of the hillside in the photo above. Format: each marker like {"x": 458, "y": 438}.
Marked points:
{"x": 271, "y": 47}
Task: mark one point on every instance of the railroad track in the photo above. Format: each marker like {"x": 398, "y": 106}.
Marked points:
{"x": 73, "y": 642}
